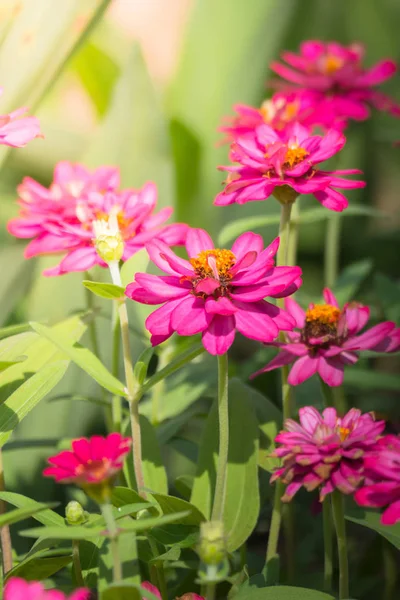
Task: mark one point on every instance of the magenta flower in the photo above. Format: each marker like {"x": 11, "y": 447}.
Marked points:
{"x": 17, "y": 132}
{"x": 60, "y": 219}
{"x": 328, "y": 338}
{"x": 268, "y": 165}
{"x": 325, "y": 451}
{"x": 146, "y": 585}
{"x": 19, "y": 589}
{"x": 342, "y": 86}
{"x": 382, "y": 485}
{"x": 217, "y": 291}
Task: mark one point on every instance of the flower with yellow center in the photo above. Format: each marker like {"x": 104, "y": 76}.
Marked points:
{"x": 323, "y": 313}
{"x": 332, "y": 64}
{"x": 214, "y": 263}
{"x": 295, "y": 154}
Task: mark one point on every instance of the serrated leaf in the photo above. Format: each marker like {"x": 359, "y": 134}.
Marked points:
{"x": 105, "y": 290}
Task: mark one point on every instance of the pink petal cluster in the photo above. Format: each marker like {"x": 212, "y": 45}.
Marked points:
{"x": 19, "y": 589}
{"x": 217, "y": 291}
{"x": 16, "y": 131}
{"x": 91, "y": 461}
{"x": 328, "y": 338}
{"x": 285, "y": 164}
{"x": 60, "y": 218}
{"x": 343, "y": 88}
{"x": 382, "y": 485}
{"x": 152, "y": 588}
{"x": 325, "y": 451}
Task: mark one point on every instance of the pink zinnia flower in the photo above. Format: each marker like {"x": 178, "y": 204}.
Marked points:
{"x": 217, "y": 291}
{"x": 19, "y": 589}
{"x": 325, "y": 451}
{"x": 268, "y": 165}
{"x": 342, "y": 86}
{"x": 146, "y": 585}
{"x": 328, "y": 339}
{"x": 382, "y": 485}
{"x": 17, "y": 132}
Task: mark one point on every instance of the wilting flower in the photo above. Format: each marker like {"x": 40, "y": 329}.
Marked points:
{"x": 61, "y": 219}
{"x": 342, "y": 86}
{"x": 328, "y": 338}
{"x": 382, "y": 485}
{"x": 19, "y": 589}
{"x": 268, "y": 165}
{"x": 325, "y": 451}
{"x": 15, "y": 130}
{"x": 216, "y": 291}
{"x": 91, "y": 464}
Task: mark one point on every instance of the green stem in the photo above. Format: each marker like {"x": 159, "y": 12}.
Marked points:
{"x": 340, "y": 526}
{"x": 92, "y": 324}
{"x": 223, "y": 421}
{"x": 294, "y": 226}
{"x": 159, "y": 389}
{"x": 333, "y": 396}
{"x": 159, "y": 571}
{"x": 173, "y": 366}
{"x": 5, "y": 537}
{"x": 77, "y": 564}
{"x": 327, "y": 393}
{"x": 116, "y": 400}
{"x": 328, "y": 544}
{"x": 284, "y": 230}
{"x": 332, "y": 249}
{"x": 276, "y": 519}
{"x": 106, "y": 510}
{"x": 210, "y": 591}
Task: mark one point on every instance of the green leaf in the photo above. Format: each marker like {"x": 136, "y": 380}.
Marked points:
{"x": 142, "y": 365}
{"x": 128, "y": 555}
{"x": 372, "y": 520}
{"x": 6, "y": 364}
{"x": 19, "y": 514}
{"x": 105, "y": 290}
{"x": 89, "y": 552}
{"x": 282, "y": 592}
{"x": 171, "y": 555}
{"x": 118, "y": 591}
{"x": 184, "y": 536}
{"x": 242, "y": 495}
{"x": 349, "y": 281}
{"x": 44, "y": 516}
{"x": 84, "y": 358}
{"x": 171, "y": 505}
{"x": 364, "y": 379}
{"x": 14, "y": 282}
{"x": 12, "y": 330}
{"x": 137, "y": 263}
{"x": 122, "y": 496}
{"x": 38, "y": 568}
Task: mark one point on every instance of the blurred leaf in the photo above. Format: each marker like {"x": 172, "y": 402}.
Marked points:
{"x": 89, "y": 555}
{"x": 388, "y": 296}
{"x": 282, "y": 592}
{"x": 365, "y": 379}
{"x": 122, "y": 496}
{"x": 5, "y": 364}
{"x": 170, "y": 555}
{"x": 242, "y": 501}
{"x": 14, "y": 282}
{"x": 137, "y": 263}
{"x": 142, "y": 365}
{"x": 184, "y": 485}
{"x": 13, "y": 330}
{"x": 44, "y": 515}
{"x": 171, "y": 505}
{"x": 128, "y": 554}
{"x": 372, "y": 520}
{"x": 83, "y": 357}
{"x": 37, "y": 568}
{"x": 184, "y": 536}
{"x": 19, "y": 514}
{"x": 118, "y": 591}
{"x": 105, "y": 290}
{"x": 350, "y": 279}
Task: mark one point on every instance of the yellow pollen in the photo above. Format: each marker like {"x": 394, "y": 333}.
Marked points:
{"x": 294, "y": 156}
{"x": 224, "y": 259}
{"x": 323, "y": 313}
{"x": 343, "y": 433}
{"x": 332, "y": 64}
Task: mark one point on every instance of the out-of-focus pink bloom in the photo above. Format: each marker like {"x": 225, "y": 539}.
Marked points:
{"x": 382, "y": 485}
{"x": 325, "y": 451}
{"x": 19, "y": 589}
{"x": 60, "y": 219}
{"x": 15, "y": 130}
{"x": 146, "y": 585}
{"x": 216, "y": 292}
{"x": 268, "y": 165}
{"x": 328, "y": 339}
{"x": 342, "y": 86}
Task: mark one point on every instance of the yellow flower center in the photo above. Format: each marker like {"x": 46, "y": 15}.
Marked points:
{"x": 204, "y": 267}
{"x": 332, "y": 64}
{"x": 323, "y": 313}
{"x": 97, "y": 469}
{"x": 294, "y": 155}
{"x": 344, "y": 433}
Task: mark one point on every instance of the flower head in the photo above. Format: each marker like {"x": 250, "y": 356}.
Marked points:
{"x": 19, "y": 589}
{"x": 217, "y": 291}
{"x": 285, "y": 165}
{"x": 328, "y": 338}
{"x": 343, "y": 88}
{"x": 382, "y": 485}
{"x": 325, "y": 451}
{"x": 15, "y": 130}
{"x": 62, "y": 219}
{"x": 92, "y": 463}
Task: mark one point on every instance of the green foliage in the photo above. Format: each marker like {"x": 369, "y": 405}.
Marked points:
{"x": 104, "y": 290}
{"x": 282, "y": 592}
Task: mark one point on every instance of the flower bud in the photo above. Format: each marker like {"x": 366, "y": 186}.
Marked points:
{"x": 108, "y": 240}
{"x": 212, "y": 550}
{"x": 74, "y": 513}
{"x": 285, "y": 194}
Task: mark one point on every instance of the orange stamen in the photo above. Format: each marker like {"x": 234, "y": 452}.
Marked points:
{"x": 224, "y": 261}
{"x": 294, "y": 156}
{"x": 323, "y": 313}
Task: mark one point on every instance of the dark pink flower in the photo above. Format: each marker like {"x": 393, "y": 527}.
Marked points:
{"x": 382, "y": 485}
{"x": 217, "y": 291}
{"x": 269, "y": 164}
{"x": 19, "y": 589}
{"x": 152, "y": 588}
{"x": 146, "y": 585}
{"x": 325, "y": 451}
{"x": 91, "y": 461}
{"x": 328, "y": 338}
{"x": 60, "y": 219}
{"x": 15, "y": 130}
{"x": 341, "y": 85}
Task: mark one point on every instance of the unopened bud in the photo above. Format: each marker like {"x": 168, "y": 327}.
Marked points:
{"x": 108, "y": 240}
{"x": 143, "y": 514}
{"x": 74, "y": 513}
{"x": 212, "y": 550}
{"x": 285, "y": 194}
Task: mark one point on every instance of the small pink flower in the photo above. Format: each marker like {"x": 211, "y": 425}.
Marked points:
{"x": 91, "y": 461}
{"x": 325, "y": 451}
{"x": 17, "y": 132}
{"x": 342, "y": 86}
{"x": 146, "y": 585}
{"x": 328, "y": 338}
{"x": 382, "y": 485}
{"x": 217, "y": 291}
{"x": 285, "y": 167}
{"x": 19, "y": 589}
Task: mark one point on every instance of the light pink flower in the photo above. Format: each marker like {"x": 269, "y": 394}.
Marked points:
{"x": 342, "y": 86}
{"x": 16, "y": 131}
{"x": 60, "y": 219}
{"x": 19, "y": 589}
{"x": 217, "y": 291}
{"x": 328, "y": 338}
{"x": 325, "y": 451}
{"x": 268, "y": 165}
{"x": 382, "y": 485}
